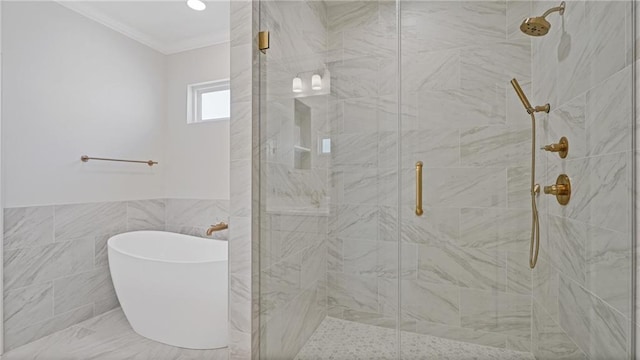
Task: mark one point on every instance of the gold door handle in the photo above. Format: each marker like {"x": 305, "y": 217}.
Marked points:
{"x": 419, "y": 210}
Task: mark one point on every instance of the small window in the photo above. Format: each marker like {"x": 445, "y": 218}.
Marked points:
{"x": 209, "y": 101}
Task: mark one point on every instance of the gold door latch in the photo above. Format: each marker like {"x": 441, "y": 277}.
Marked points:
{"x": 263, "y": 41}
{"x": 562, "y": 147}
{"x": 561, "y": 189}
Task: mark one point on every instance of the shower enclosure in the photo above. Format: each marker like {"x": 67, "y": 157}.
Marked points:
{"x": 371, "y": 111}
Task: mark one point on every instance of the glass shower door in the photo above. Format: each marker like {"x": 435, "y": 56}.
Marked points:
{"x": 466, "y": 279}
{"x": 328, "y": 186}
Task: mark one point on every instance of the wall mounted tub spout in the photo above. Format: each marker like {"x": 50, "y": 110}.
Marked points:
{"x": 217, "y": 227}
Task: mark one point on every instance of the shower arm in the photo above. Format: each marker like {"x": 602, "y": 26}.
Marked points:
{"x": 559, "y": 9}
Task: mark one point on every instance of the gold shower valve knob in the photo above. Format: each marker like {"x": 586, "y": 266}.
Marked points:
{"x": 556, "y": 190}
{"x": 562, "y": 147}
{"x": 561, "y": 189}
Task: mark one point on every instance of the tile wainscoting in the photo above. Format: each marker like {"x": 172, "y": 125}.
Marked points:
{"x": 56, "y": 271}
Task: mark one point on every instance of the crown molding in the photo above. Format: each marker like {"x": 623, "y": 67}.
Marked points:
{"x": 165, "y": 48}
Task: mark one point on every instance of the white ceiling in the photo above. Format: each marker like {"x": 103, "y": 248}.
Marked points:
{"x": 167, "y": 26}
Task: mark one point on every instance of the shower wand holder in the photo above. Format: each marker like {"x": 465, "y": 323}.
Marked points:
{"x": 542, "y": 108}
{"x": 561, "y": 189}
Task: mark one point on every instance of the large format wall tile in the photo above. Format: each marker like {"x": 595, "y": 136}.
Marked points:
{"x": 609, "y": 267}
{"x": 23, "y": 267}
{"x": 28, "y": 227}
{"x": 466, "y": 187}
{"x": 567, "y": 240}
{"x": 352, "y": 292}
{"x": 467, "y": 268}
{"x": 608, "y": 120}
{"x": 549, "y": 340}
{"x": 28, "y": 305}
{"x": 500, "y": 312}
{"x": 599, "y": 330}
{"x": 85, "y": 220}
{"x": 146, "y": 215}
{"x": 497, "y": 64}
{"x": 15, "y": 337}
{"x": 82, "y": 289}
{"x": 435, "y": 303}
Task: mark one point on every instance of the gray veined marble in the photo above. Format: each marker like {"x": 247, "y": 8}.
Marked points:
{"x": 28, "y": 226}
{"x": 495, "y": 146}
{"x": 496, "y": 64}
{"x": 425, "y": 301}
{"x": 609, "y": 267}
{"x": 24, "y": 267}
{"x": 435, "y": 70}
{"x": 608, "y": 111}
{"x": 196, "y": 212}
{"x": 458, "y": 108}
{"x": 609, "y": 178}
{"x": 573, "y": 60}
{"x": 610, "y": 42}
{"x": 437, "y": 147}
{"x": 16, "y": 337}
{"x": 28, "y": 305}
{"x": 352, "y": 292}
{"x": 146, "y": 215}
{"x": 567, "y": 241}
{"x": 569, "y": 120}
{"x": 87, "y": 220}
{"x": 85, "y": 288}
{"x": 494, "y": 228}
{"x": 549, "y": 340}
{"x": 466, "y": 187}
{"x": 105, "y": 337}
{"x": 599, "y": 330}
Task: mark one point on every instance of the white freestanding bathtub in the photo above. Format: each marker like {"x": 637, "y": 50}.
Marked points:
{"x": 172, "y": 287}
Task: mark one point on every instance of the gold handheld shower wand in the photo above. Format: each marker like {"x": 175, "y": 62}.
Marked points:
{"x": 527, "y": 105}
{"x": 534, "y": 246}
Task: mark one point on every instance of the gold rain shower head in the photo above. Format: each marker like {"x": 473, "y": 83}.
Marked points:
{"x": 539, "y": 26}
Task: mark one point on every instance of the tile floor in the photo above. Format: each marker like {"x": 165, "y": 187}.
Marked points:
{"x": 337, "y": 339}
{"x": 109, "y": 337}
{"x": 105, "y": 337}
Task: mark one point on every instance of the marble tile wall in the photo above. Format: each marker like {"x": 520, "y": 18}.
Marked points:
{"x": 463, "y": 264}
{"x": 243, "y": 255}
{"x": 56, "y": 271}
{"x": 582, "y": 291}
{"x": 294, "y": 212}
{"x": 636, "y": 161}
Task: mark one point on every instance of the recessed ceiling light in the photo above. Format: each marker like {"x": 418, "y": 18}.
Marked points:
{"x": 197, "y": 5}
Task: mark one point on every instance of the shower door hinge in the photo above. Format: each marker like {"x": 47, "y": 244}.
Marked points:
{"x": 263, "y": 41}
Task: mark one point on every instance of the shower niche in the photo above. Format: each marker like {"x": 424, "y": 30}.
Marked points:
{"x": 301, "y": 136}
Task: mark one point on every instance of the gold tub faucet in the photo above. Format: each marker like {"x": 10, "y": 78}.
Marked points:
{"x": 217, "y": 227}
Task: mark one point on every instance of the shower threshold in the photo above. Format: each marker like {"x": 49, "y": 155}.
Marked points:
{"x": 338, "y": 339}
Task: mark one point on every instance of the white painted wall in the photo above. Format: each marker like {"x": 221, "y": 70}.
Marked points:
{"x": 197, "y": 154}
{"x": 71, "y": 87}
